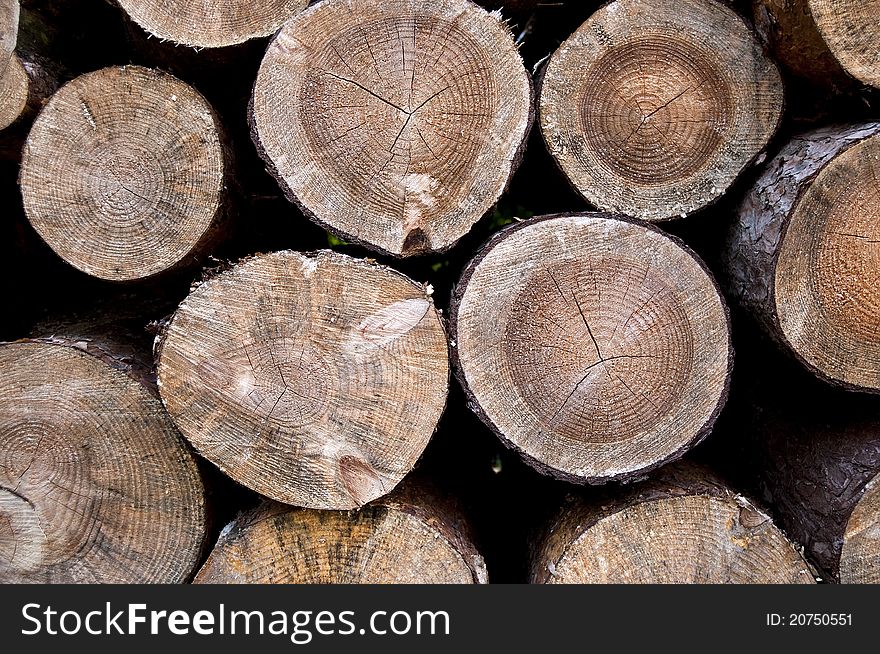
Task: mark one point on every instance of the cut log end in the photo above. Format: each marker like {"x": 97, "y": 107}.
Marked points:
{"x": 316, "y": 380}
{"x": 653, "y": 108}
{"x": 14, "y": 92}
{"x": 597, "y": 347}
{"x": 382, "y": 543}
{"x": 211, "y": 25}
{"x": 860, "y": 555}
{"x": 95, "y": 483}
{"x": 9, "y": 17}
{"x": 123, "y": 173}
{"x": 682, "y": 540}
{"x": 395, "y": 124}
{"x": 827, "y": 278}
{"x": 851, "y": 29}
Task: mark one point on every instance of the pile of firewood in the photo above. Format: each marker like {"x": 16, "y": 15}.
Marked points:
{"x": 425, "y": 291}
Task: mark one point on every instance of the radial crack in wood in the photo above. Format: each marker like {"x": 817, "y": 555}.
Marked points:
{"x": 96, "y": 486}
{"x": 124, "y": 174}
{"x": 396, "y": 124}
{"x": 316, "y": 380}
{"x": 597, "y": 347}
{"x": 653, "y": 108}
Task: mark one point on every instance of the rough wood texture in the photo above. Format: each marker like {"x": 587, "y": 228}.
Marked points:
{"x": 9, "y": 16}
{"x": 817, "y": 463}
{"x": 860, "y": 555}
{"x": 13, "y": 92}
{"x": 124, "y": 174}
{"x": 788, "y": 30}
{"x": 826, "y": 41}
{"x": 802, "y": 256}
{"x": 211, "y": 24}
{"x": 652, "y": 108}
{"x": 683, "y": 526}
{"x": 411, "y": 536}
{"x": 851, "y": 28}
{"x": 597, "y": 347}
{"x": 397, "y": 124}
{"x": 95, "y": 483}
{"x": 316, "y": 380}
{"x": 31, "y": 76}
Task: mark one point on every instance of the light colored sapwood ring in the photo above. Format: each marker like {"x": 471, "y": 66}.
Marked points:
{"x": 851, "y": 29}
{"x": 597, "y": 347}
{"x": 123, "y": 172}
{"x": 682, "y": 540}
{"x": 96, "y": 485}
{"x": 376, "y": 545}
{"x": 14, "y": 89}
{"x": 316, "y": 380}
{"x": 860, "y": 555}
{"x": 211, "y": 24}
{"x": 827, "y": 276}
{"x": 394, "y": 124}
{"x": 652, "y": 108}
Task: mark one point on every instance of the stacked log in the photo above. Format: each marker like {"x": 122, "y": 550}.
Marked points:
{"x": 305, "y": 390}
{"x": 802, "y": 255}
{"x": 28, "y": 76}
{"x": 413, "y": 536}
{"x": 829, "y": 42}
{"x": 124, "y": 174}
{"x": 684, "y": 526}
{"x": 395, "y": 125}
{"x": 210, "y": 25}
{"x": 96, "y": 485}
{"x": 315, "y": 380}
{"x": 595, "y": 346}
{"x": 653, "y": 108}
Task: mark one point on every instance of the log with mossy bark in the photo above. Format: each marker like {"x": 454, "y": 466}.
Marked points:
{"x": 653, "y": 108}
{"x": 802, "y": 256}
{"x": 396, "y": 125}
{"x": 597, "y": 347}
{"x": 125, "y": 174}
{"x": 413, "y": 536}
{"x": 314, "y": 379}
{"x": 683, "y": 526}
{"x": 96, "y": 484}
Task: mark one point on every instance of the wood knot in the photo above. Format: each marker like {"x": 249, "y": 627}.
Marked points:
{"x": 416, "y": 242}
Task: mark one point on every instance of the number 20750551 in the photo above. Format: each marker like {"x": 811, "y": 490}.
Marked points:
{"x": 809, "y": 620}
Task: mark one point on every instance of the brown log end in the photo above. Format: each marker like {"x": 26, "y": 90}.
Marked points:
{"x": 597, "y": 347}
{"x": 316, "y": 380}
{"x": 860, "y": 555}
{"x": 666, "y": 531}
{"x": 14, "y": 92}
{"x": 390, "y": 541}
{"x": 124, "y": 173}
{"x": 211, "y": 25}
{"x": 851, "y": 29}
{"x": 827, "y": 275}
{"x": 95, "y": 483}
{"x": 652, "y": 108}
{"x": 396, "y": 125}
